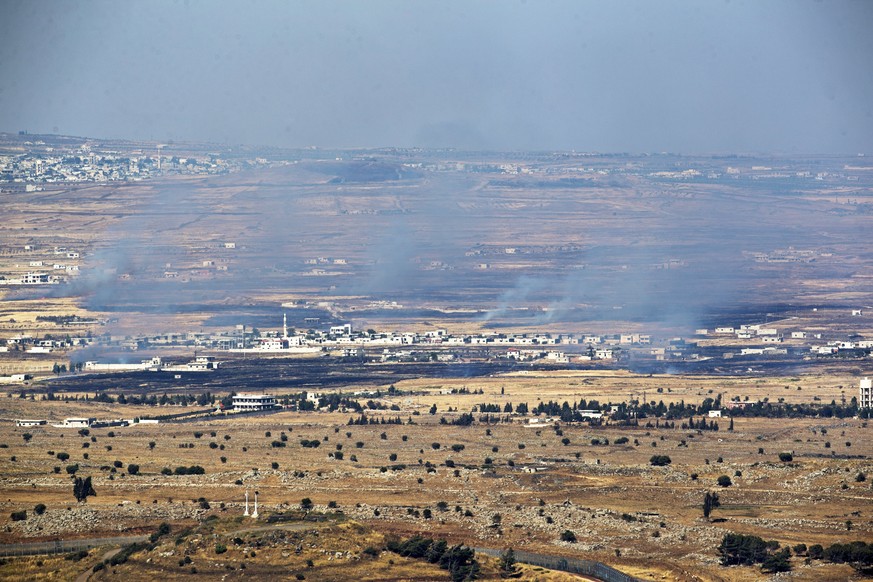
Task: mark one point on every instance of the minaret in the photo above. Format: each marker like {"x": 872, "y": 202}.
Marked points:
{"x": 255, "y": 512}
{"x": 246, "y": 513}
{"x": 284, "y": 326}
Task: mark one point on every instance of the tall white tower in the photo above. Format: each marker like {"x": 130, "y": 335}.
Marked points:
{"x": 865, "y": 399}
{"x": 284, "y": 326}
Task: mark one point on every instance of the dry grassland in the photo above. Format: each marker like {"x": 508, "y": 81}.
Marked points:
{"x": 624, "y": 511}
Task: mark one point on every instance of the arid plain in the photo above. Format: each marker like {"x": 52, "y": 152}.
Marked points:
{"x": 413, "y": 241}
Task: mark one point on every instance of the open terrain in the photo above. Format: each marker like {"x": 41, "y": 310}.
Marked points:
{"x": 507, "y": 484}
{"x": 404, "y": 241}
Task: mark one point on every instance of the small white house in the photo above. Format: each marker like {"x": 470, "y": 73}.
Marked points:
{"x": 341, "y": 330}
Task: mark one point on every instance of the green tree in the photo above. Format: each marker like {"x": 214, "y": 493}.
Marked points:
{"x": 742, "y": 550}
{"x": 724, "y": 481}
{"x": 508, "y": 569}
{"x": 660, "y": 460}
{"x": 777, "y": 562}
{"x": 306, "y": 504}
{"x": 710, "y": 502}
{"x": 82, "y": 489}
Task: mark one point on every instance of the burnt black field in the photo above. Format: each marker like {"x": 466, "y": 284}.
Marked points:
{"x": 277, "y": 375}
{"x": 282, "y": 376}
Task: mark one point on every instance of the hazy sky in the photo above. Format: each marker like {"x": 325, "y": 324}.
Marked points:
{"x": 633, "y": 76}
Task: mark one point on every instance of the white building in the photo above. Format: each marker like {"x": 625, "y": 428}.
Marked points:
{"x": 249, "y": 402}
{"x": 34, "y": 278}
{"x": 865, "y": 399}
{"x": 341, "y": 330}
{"x": 203, "y": 363}
{"x": 76, "y": 423}
{"x": 557, "y": 357}
{"x": 590, "y": 414}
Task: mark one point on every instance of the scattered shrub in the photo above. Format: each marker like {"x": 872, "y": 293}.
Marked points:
{"x": 660, "y": 460}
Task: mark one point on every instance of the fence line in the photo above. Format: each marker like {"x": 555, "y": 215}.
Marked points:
{"x": 66, "y": 546}
{"x": 591, "y": 568}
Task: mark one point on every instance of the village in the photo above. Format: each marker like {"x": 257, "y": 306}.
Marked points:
{"x": 32, "y": 163}
{"x": 744, "y": 340}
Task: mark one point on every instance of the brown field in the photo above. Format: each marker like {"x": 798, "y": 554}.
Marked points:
{"x": 582, "y": 487}
{"x": 594, "y": 245}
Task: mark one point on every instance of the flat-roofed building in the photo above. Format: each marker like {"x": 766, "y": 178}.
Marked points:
{"x": 249, "y": 402}
{"x": 76, "y": 423}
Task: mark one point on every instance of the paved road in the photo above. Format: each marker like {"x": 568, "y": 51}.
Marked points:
{"x": 84, "y": 576}
{"x": 587, "y": 568}
{"x": 595, "y": 570}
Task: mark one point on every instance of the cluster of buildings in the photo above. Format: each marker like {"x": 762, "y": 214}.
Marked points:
{"x": 344, "y": 335}
{"x": 59, "y": 263}
{"x": 790, "y": 255}
{"x": 45, "y": 164}
{"x": 32, "y": 345}
{"x": 748, "y": 332}
{"x": 762, "y": 334}
{"x": 84, "y": 422}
